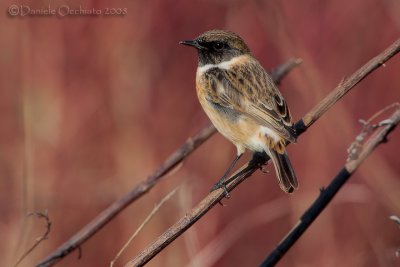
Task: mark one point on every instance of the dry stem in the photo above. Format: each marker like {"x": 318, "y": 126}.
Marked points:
{"x": 148, "y": 218}
{"x": 41, "y": 215}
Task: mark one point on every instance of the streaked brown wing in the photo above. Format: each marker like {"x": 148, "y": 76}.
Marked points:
{"x": 249, "y": 90}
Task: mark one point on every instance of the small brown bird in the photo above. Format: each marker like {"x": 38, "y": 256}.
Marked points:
{"x": 243, "y": 102}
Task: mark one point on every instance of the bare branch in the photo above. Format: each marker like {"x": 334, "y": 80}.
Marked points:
{"x": 378, "y": 137}
{"x": 143, "y": 187}
{"x": 245, "y": 171}
{"x": 282, "y": 70}
{"x": 41, "y": 215}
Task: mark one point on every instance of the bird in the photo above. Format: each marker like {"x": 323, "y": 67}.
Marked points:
{"x": 242, "y": 101}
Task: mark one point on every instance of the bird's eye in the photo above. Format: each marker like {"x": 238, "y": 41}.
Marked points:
{"x": 218, "y": 46}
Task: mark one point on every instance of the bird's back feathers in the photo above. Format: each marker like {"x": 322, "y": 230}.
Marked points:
{"x": 246, "y": 88}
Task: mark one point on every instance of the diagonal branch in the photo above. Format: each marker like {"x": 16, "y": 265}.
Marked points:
{"x": 143, "y": 187}
{"x": 327, "y": 194}
{"x": 245, "y": 171}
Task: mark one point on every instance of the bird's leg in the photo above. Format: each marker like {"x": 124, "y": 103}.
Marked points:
{"x": 258, "y": 160}
{"x": 221, "y": 182}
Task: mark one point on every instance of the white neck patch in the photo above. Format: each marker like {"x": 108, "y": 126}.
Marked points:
{"x": 225, "y": 65}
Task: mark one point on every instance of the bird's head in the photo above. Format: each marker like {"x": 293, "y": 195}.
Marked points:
{"x": 217, "y": 46}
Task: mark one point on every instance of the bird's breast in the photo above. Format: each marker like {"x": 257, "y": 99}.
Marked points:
{"x": 236, "y": 127}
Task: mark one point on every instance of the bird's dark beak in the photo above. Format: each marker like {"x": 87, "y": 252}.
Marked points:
{"x": 193, "y": 43}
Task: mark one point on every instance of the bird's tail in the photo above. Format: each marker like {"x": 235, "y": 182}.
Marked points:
{"x": 284, "y": 171}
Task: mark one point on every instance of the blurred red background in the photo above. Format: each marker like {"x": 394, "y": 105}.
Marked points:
{"x": 91, "y": 105}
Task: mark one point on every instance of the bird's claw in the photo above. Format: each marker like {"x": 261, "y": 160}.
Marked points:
{"x": 264, "y": 169}
{"x": 221, "y": 185}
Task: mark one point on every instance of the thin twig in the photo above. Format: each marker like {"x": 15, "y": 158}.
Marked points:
{"x": 41, "y": 215}
{"x": 378, "y": 137}
{"x": 396, "y": 219}
{"x": 143, "y": 187}
{"x": 368, "y": 127}
{"x": 245, "y": 171}
{"x": 148, "y": 218}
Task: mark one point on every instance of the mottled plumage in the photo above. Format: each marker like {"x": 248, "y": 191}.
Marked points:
{"x": 242, "y": 101}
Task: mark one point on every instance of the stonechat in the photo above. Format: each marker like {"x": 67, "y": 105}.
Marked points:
{"x": 243, "y": 102}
